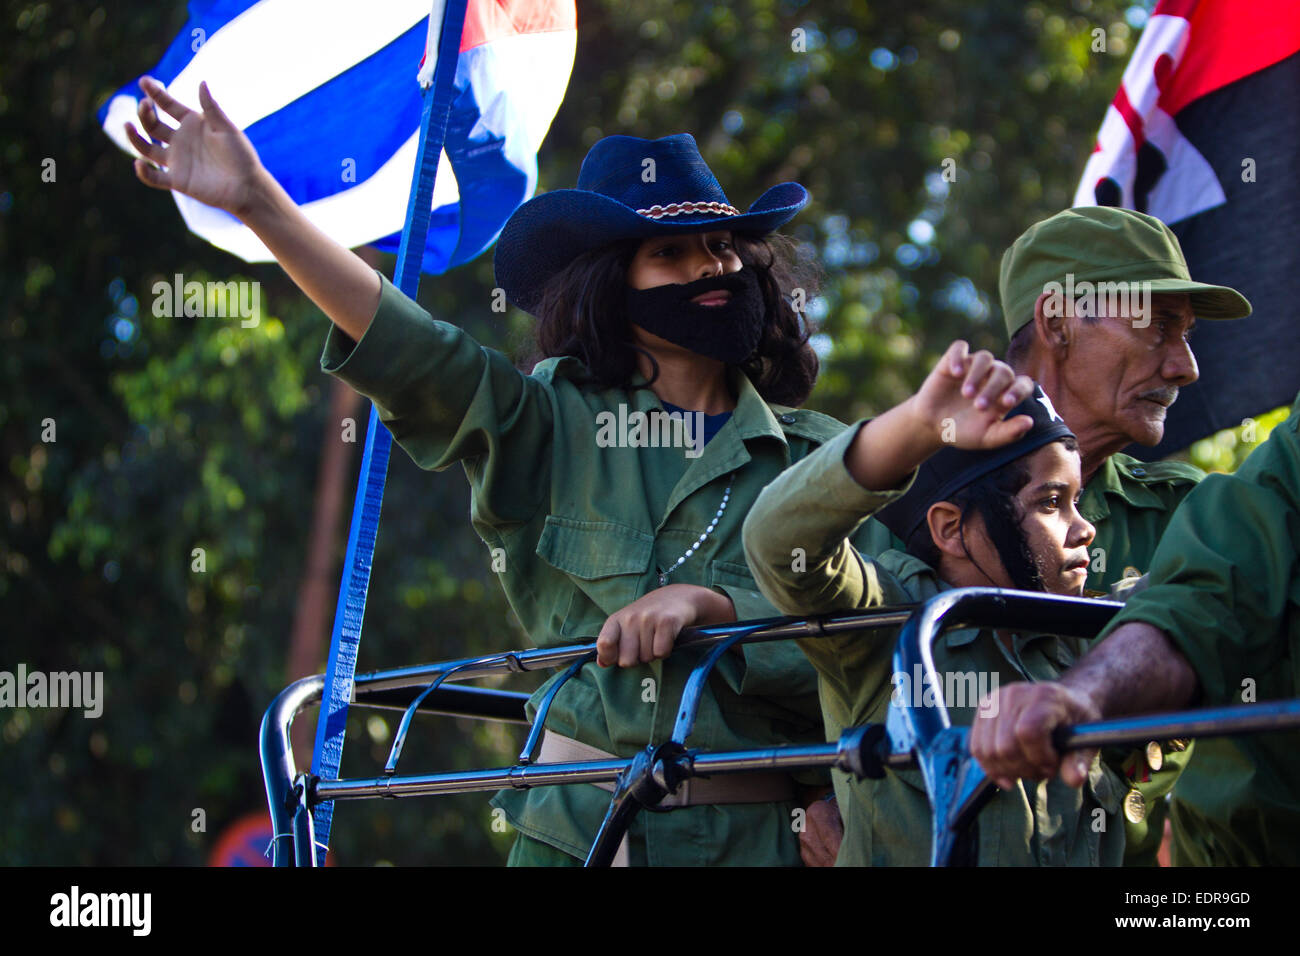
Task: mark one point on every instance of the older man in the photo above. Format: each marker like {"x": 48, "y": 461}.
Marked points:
{"x": 1219, "y": 624}
{"x": 1099, "y": 304}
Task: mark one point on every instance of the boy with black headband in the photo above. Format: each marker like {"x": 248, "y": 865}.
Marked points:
{"x": 981, "y": 500}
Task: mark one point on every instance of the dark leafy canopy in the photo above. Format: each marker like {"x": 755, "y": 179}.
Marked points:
{"x": 177, "y": 434}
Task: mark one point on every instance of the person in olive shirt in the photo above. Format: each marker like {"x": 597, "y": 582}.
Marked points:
{"x": 655, "y": 298}
{"x": 1219, "y": 624}
{"x": 1113, "y": 358}
{"x": 1000, "y": 513}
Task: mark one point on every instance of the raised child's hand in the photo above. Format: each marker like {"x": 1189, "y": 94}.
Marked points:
{"x": 965, "y": 397}
{"x": 207, "y": 157}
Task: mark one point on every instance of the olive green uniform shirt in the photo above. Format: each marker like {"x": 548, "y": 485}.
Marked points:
{"x": 1225, "y": 587}
{"x": 584, "y": 530}
{"x": 817, "y": 505}
{"x": 1130, "y": 503}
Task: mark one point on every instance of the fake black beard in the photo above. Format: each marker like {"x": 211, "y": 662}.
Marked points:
{"x": 729, "y": 333}
{"x": 1002, "y": 524}
{"x": 1018, "y": 559}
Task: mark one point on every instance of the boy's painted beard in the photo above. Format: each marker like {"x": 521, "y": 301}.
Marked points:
{"x": 1017, "y": 558}
{"x": 729, "y": 332}
{"x": 1002, "y": 525}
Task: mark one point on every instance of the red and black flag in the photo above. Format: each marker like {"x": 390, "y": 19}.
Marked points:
{"x": 1204, "y": 134}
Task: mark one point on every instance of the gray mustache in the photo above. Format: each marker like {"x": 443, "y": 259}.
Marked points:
{"x": 1166, "y": 396}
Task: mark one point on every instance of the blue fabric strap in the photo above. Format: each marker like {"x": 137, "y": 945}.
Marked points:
{"x": 350, "y": 611}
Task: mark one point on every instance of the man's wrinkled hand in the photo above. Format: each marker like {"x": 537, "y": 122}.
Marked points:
{"x": 1012, "y": 733}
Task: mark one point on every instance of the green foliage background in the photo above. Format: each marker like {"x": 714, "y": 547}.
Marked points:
{"x": 175, "y": 434}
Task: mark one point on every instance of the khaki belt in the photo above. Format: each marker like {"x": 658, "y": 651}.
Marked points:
{"x": 697, "y": 791}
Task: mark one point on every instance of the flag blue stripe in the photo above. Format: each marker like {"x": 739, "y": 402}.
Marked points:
{"x": 364, "y": 114}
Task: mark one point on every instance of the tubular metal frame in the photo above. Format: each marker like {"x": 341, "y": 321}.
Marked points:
{"x": 401, "y": 688}
{"x": 911, "y": 737}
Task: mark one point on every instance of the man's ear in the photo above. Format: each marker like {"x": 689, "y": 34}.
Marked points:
{"x": 1051, "y": 325}
{"x": 944, "y": 520}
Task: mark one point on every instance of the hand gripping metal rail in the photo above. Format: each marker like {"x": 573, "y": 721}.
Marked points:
{"x": 912, "y": 736}
{"x": 956, "y": 784}
{"x": 291, "y": 794}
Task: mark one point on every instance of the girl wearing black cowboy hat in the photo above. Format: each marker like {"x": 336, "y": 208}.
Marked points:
{"x": 614, "y": 478}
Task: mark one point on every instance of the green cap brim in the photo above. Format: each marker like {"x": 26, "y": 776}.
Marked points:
{"x": 1208, "y": 301}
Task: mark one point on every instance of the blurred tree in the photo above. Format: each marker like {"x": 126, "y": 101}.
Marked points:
{"x": 931, "y": 134}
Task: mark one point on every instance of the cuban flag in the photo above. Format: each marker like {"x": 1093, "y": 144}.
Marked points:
{"x": 1203, "y": 134}
{"x": 327, "y": 92}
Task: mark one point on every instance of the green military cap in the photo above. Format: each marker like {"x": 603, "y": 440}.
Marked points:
{"x": 1104, "y": 244}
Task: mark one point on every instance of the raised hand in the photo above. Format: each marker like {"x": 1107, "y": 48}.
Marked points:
{"x": 207, "y": 157}
{"x": 960, "y": 403}
{"x": 965, "y": 396}
{"x": 210, "y": 159}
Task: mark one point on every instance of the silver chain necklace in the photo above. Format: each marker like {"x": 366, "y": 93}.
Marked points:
{"x": 726, "y": 496}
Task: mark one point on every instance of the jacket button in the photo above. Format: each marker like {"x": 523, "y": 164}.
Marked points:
{"x": 1138, "y": 471}
{"x": 787, "y": 419}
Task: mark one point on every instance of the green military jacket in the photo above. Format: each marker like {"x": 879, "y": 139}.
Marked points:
{"x": 817, "y": 505}
{"x": 1225, "y": 587}
{"x": 583, "y": 530}
{"x": 1130, "y": 502}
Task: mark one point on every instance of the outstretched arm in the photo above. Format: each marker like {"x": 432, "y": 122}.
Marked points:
{"x": 444, "y": 397}
{"x": 809, "y": 512}
{"x": 210, "y": 159}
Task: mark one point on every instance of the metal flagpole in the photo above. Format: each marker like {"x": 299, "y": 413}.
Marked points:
{"x": 350, "y": 610}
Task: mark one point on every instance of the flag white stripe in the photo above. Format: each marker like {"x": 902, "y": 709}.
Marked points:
{"x": 1195, "y": 189}
{"x": 122, "y": 110}
{"x": 370, "y": 210}
{"x": 292, "y": 47}
{"x": 532, "y": 67}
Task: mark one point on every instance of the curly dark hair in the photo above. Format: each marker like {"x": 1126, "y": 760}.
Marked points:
{"x": 580, "y": 314}
{"x": 993, "y": 497}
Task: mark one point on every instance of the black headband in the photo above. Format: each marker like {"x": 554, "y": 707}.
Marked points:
{"x": 950, "y": 469}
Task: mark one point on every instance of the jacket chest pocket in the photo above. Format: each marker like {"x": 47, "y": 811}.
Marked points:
{"x": 606, "y": 564}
